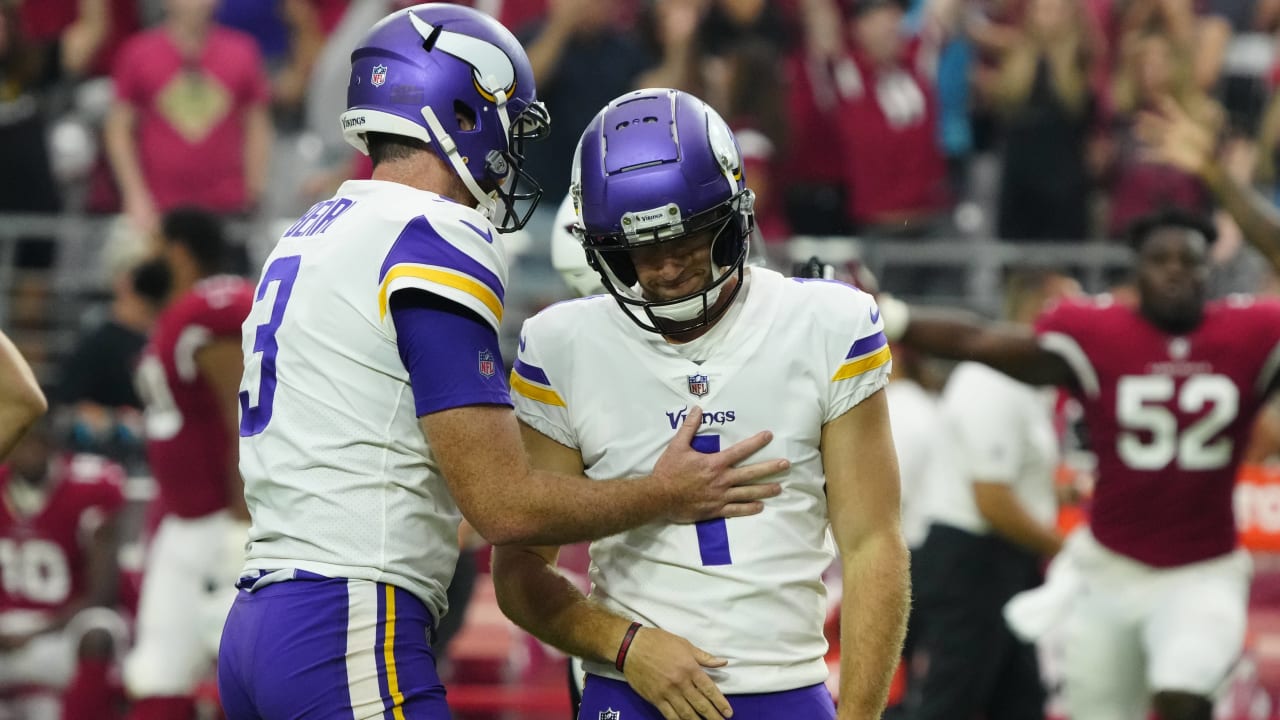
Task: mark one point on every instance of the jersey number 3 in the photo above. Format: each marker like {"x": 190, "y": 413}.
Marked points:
{"x": 1149, "y": 439}
{"x": 713, "y": 535}
{"x": 258, "y": 389}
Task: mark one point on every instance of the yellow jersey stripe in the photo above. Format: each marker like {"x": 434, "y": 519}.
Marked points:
{"x": 389, "y": 655}
{"x": 544, "y": 395}
{"x": 466, "y": 284}
{"x": 857, "y": 367}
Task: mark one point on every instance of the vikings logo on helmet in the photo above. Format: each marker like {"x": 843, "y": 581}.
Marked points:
{"x": 490, "y": 67}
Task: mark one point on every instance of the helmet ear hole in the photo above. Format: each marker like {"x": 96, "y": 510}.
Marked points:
{"x": 466, "y": 116}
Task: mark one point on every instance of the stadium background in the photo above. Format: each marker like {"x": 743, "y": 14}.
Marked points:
{"x": 1010, "y": 144}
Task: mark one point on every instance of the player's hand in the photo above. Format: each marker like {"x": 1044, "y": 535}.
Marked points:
{"x": 667, "y": 671}
{"x": 1173, "y": 137}
{"x": 708, "y": 485}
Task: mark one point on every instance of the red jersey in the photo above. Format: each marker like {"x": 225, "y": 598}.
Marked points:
{"x": 1168, "y": 417}
{"x": 43, "y": 554}
{"x": 191, "y": 115}
{"x": 188, "y": 444}
{"x": 889, "y": 134}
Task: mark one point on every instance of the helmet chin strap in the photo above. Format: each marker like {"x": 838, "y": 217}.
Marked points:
{"x": 691, "y": 307}
{"x": 487, "y": 203}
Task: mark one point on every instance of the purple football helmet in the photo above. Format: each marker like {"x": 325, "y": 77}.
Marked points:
{"x": 654, "y": 166}
{"x": 421, "y": 67}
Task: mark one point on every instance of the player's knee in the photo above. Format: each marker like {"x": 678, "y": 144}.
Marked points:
{"x": 1173, "y": 705}
{"x": 96, "y": 644}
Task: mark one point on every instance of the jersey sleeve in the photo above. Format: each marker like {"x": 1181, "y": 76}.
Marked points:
{"x": 861, "y": 356}
{"x": 1266, "y": 320}
{"x": 1062, "y": 330}
{"x": 538, "y": 399}
{"x": 982, "y": 416}
{"x": 451, "y": 258}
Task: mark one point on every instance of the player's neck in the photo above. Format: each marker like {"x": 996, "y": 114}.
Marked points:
{"x": 424, "y": 171}
{"x": 1173, "y": 326}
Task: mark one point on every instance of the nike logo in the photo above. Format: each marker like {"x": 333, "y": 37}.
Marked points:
{"x": 488, "y": 236}
{"x": 875, "y": 314}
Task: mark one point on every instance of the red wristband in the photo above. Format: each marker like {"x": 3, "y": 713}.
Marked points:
{"x": 626, "y": 645}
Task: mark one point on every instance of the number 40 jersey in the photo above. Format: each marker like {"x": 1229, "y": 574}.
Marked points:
{"x": 789, "y": 356}
{"x": 1168, "y": 417}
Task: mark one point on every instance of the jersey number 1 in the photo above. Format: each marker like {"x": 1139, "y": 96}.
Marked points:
{"x": 713, "y": 535}
{"x": 254, "y": 416}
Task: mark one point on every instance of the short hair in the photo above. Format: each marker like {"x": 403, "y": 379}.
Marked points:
{"x": 384, "y": 147}
{"x": 1143, "y": 227}
{"x": 200, "y": 232}
{"x": 152, "y": 281}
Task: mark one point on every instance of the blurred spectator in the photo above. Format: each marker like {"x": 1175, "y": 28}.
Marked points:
{"x": 95, "y": 380}
{"x": 26, "y": 175}
{"x": 811, "y": 169}
{"x": 58, "y": 534}
{"x": 1151, "y": 69}
{"x": 582, "y": 57}
{"x": 84, "y": 35}
{"x": 894, "y": 171}
{"x": 190, "y": 124}
{"x": 1042, "y": 94}
{"x": 1201, "y": 40}
{"x": 674, "y": 29}
{"x": 758, "y": 119}
{"x": 290, "y": 34}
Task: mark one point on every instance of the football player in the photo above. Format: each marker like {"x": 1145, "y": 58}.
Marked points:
{"x": 1170, "y": 389}
{"x": 188, "y": 378}
{"x": 724, "y": 615}
{"x": 59, "y": 631}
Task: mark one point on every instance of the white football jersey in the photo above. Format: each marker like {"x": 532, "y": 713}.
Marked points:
{"x": 788, "y": 357}
{"x": 338, "y": 476}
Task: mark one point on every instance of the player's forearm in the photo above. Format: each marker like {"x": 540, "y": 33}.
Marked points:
{"x": 257, "y": 151}
{"x": 538, "y": 598}
{"x": 547, "y": 508}
{"x": 21, "y": 400}
{"x": 1258, "y": 219}
{"x": 1001, "y": 509}
{"x": 873, "y": 622}
{"x": 122, "y": 150}
{"x": 960, "y": 335}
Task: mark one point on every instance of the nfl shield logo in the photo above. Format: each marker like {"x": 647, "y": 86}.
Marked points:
{"x": 379, "y": 75}
{"x": 609, "y": 714}
{"x": 486, "y": 363}
{"x": 698, "y": 385}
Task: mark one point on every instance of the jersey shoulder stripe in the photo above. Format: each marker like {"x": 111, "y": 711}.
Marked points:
{"x": 450, "y": 264}
{"x": 532, "y": 382}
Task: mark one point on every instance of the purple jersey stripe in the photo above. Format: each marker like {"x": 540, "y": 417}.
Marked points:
{"x": 379, "y": 646}
{"x": 868, "y": 344}
{"x": 420, "y": 244}
{"x": 533, "y": 373}
{"x": 713, "y": 535}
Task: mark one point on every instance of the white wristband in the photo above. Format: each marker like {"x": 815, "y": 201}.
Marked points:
{"x": 896, "y": 315}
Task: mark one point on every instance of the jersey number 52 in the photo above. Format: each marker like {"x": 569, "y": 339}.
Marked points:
{"x": 1149, "y": 438}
